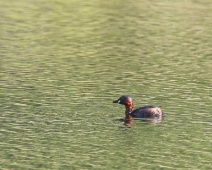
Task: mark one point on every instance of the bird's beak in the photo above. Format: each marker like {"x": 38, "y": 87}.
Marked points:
{"x": 116, "y": 101}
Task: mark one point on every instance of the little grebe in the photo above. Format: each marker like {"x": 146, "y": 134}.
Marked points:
{"x": 141, "y": 112}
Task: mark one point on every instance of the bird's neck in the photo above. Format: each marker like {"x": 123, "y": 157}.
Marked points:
{"x": 128, "y": 110}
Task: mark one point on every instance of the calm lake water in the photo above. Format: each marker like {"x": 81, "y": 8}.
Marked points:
{"x": 62, "y": 63}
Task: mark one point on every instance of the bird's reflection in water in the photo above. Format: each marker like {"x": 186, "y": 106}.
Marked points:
{"x": 129, "y": 122}
{"x": 154, "y": 120}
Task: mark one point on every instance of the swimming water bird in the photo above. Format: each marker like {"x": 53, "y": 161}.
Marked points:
{"x": 141, "y": 112}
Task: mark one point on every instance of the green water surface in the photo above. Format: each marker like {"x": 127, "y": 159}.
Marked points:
{"x": 63, "y": 62}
